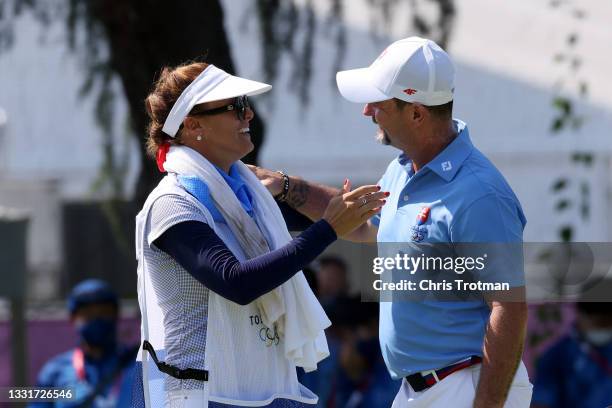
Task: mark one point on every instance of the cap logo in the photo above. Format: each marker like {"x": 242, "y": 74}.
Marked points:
{"x": 447, "y": 166}
{"x": 410, "y": 91}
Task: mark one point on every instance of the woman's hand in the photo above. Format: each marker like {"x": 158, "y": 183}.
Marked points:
{"x": 349, "y": 209}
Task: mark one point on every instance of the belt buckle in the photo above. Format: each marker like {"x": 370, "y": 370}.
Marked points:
{"x": 432, "y": 372}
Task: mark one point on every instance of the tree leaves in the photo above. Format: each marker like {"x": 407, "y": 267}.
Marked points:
{"x": 582, "y": 158}
{"x": 559, "y": 185}
{"x": 124, "y": 39}
{"x": 566, "y": 233}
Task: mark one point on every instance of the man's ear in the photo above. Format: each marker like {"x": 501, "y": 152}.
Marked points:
{"x": 419, "y": 113}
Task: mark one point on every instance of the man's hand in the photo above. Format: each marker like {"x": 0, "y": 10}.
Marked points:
{"x": 272, "y": 180}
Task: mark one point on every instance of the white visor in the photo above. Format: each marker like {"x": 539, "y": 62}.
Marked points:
{"x": 213, "y": 84}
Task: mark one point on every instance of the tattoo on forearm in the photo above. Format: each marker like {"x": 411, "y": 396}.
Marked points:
{"x": 298, "y": 193}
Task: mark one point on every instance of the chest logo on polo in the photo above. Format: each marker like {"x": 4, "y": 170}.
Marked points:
{"x": 419, "y": 231}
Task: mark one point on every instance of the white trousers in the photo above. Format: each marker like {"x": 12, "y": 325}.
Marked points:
{"x": 201, "y": 399}
{"x": 459, "y": 389}
{"x": 187, "y": 399}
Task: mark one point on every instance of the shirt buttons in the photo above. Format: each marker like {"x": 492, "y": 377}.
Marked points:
{"x": 406, "y": 197}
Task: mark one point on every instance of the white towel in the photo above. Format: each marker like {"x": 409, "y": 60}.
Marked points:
{"x": 292, "y": 307}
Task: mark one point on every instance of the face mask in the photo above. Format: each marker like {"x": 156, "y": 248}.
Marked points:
{"x": 99, "y": 333}
{"x": 598, "y": 337}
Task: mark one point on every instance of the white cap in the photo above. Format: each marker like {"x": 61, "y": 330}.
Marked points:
{"x": 413, "y": 69}
{"x": 213, "y": 84}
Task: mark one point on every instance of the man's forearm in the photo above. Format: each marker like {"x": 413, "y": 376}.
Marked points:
{"x": 309, "y": 198}
{"x": 503, "y": 347}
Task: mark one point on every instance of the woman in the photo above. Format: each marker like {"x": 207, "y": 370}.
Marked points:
{"x": 221, "y": 296}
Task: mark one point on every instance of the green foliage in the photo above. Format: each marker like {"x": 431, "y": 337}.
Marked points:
{"x": 565, "y": 115}
{"x": 566, "y": 233}
{"x": 286, "y": 28}
{"x": 99, "y": 75}
{"x": 585, "y": 195}
{"x": 567, "y": 118}
{"x": 98, "y": 31}
{"x": 559, "y": 185}
{"x": 585, "y": 159}
{"x": 563, "y": 104}
{"x": 564, "y": 189}
{"x": 562, "y": 204}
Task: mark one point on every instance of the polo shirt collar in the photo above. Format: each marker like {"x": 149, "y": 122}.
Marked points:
{"x": 406, "y": 163}
{"x": 448, "y": 162}
{"x": 235, "y": 182}
{"x": 238, "y": 186}
{"x": 232, "y": 178}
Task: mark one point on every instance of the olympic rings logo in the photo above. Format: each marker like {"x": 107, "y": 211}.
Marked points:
{"x": 269, "y": 336}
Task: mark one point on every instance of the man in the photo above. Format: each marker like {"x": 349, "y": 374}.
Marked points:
{"x": 331, "y": 290}
{"x": 361, "y": 380}
{"x": 442, "y": 190}
{"x": 99, "y": 371}
{"x": 332, "y": 281}
{"x": 577, "y": 370}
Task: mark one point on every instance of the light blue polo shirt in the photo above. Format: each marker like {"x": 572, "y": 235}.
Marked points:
{"x": 469, "y": 201}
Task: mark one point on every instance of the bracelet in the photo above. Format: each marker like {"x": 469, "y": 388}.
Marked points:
{"x": 282, "y": 196}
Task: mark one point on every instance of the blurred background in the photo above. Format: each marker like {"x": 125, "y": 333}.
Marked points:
{"x": 531, "y": 83}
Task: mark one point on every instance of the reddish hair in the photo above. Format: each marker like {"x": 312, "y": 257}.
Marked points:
{"x": 167, "y": 89}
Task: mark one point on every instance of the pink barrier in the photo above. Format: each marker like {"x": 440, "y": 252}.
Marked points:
{"x": 47, "y": 338}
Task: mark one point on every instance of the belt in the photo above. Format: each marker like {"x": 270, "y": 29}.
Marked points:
{"x": 180, "y": 373}
{"x": 425, "y": 379}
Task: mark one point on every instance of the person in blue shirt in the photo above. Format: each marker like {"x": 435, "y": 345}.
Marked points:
{"x": 361, "y": 380}
{"x": 442, "y": 190}
{"x": 329, "y": 284}
{"x": 576, "y": 371}
{"x": 99, "y": 371}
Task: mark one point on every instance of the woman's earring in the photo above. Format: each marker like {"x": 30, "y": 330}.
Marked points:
{"x": 199, "y": 137}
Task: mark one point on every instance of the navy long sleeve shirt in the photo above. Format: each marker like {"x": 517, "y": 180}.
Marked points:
{"x": 198, "y": 249}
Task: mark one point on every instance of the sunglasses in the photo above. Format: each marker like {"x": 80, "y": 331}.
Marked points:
{"x": 240, "y": 106}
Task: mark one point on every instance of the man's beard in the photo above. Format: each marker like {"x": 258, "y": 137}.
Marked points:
{"x": 382, "y": 136}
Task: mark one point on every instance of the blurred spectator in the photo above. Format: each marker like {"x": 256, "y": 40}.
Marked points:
{"x": 331, "y": 279}
{"x": 362, "y": 379}
{"x": 311, "y": 278}
{"x": 99, "y": 370}
{"x": 354, "y": 375}
{"x": 322, "y": 381}
{"x": 329, "y": 285}
{"x": 576, "y": 371}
